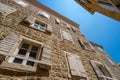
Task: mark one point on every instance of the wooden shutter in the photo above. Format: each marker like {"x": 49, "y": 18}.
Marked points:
{"x": 30, "y": 20}
{"x": 109, "y": 71}
{"x": 76, "y": 66}
{"x": 102, "y": 71}
{"x": 49, "y": 29}
{"x": 95, "y": 67}
{"x": 74, "y": 30}
{"x": 110, "y": 61}
{"x": 5, "y": 10}
{"x": 68, "y": 26}
{"x": 8, "y": 43}
{"x": 81, "y": 43}
{"x": 45, "y": 14}
{"x": 57, "y": 21}
{"x": 22, "y": 3}
{"x": 46, "y": 58}
{"x": 66, "y": 35}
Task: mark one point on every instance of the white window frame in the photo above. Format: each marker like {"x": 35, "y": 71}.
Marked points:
{"x": 40, "y": 22}
{"x": 24, "y": 62}
{"x": 26, "y": 58}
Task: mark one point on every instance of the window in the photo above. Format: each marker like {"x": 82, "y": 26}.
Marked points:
{"x": 39, "y": 25}
{"x": 44, "y": 14}
{"x": 76, "y": 67}
{"x": 66, "y": 35}
{"x": 63, "y": 24}
{"x": 42, "y": 26}
{"x": 68, "y": 27}
{"x": 20, "y": 2}
{"x": 73, "y": 29}
{"x": 102, "y": 71}
{"x": 27, "y": 51}
{"x": 110, "y": 61}
{"x": 85, "y": 45}
{"x": 57, "y": 21}
{"x": 23, "y": 54}
{"x": 5, "y": 10}
{"x": 108, "y": 6}
{"x": 100, "y": 49}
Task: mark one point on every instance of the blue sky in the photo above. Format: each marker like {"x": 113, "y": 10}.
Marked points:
{"x": 97, "y": 28}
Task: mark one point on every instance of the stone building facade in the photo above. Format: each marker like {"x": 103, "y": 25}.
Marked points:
{"x": 37, "y": 43}
{"x": 110, "y": 8}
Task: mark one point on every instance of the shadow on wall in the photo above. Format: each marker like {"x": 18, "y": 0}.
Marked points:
{"x": 39, "y": 73}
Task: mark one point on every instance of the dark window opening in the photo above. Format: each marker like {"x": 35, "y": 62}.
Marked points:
{"x": 18, "y": 61}
{"x": 22, "y": 52}
{"x": 30, "y": 63}
{"x": 32, "y": 55}
{"x": 25, "y": 46}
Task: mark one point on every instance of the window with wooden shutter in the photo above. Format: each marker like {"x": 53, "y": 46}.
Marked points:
{"x": 106, "y": 4}
{"x": 30, "y": 20}
{"x": 101, "y": 71}
{"x": 49, "y": 28}
{"x": 76, "y": 67}
{"x": 66, "y": 35}
{"x": 23, "y": 54}
{"x": 73, "y": 29}
{"x": 40, "y": 25}
{"x": 46, "y": 58}
{"x": 57, "y": 21}
{"x": 81, "y": 43}
{"x": 5, "y": 9}
{"x": 21, "y": 2}
{"x": 110, "y": 61}
{"x": 85, "y": 45}
{"x": 100, "y": 49}
{"x": 44, "y": 14}
{"x": 68, "y": 27}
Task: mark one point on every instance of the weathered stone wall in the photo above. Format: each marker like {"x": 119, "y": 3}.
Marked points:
{"x": 14, "y": 23}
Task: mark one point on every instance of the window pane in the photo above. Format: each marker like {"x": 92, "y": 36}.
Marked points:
{"x": 36, "y": 25}
{"x": 104, "y": 71}
{"x": 26, "y": 46}
{"x": 41, "y": 27}
{"x": 32, "y": 54}
{"x": 29, "y": 63}
{"x": 17, "y": 60}
{"x": 22, "y": 52}
{"x": 34, "y": 48}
